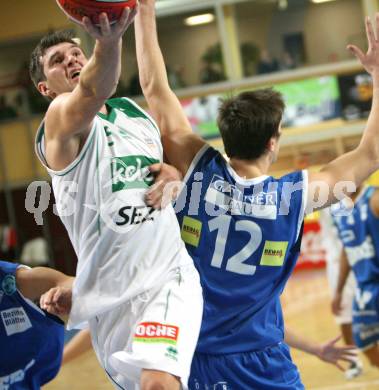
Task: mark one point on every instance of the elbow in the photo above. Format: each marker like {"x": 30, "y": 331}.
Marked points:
{"x": 370, "y": 148}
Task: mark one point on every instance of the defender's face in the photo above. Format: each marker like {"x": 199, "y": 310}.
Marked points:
{"x": 62, "y": 65}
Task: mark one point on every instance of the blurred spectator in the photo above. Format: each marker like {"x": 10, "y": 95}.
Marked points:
{"x": 35, "y": 252}
{"x": 6, "y": 111}
{"x": 175, "y": 78}
{"x": 287, "y": 61}
{"x": 210, "y": 73}
{"x": 266, "y": 63}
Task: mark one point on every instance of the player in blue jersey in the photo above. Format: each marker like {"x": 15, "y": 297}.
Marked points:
{"x": 31, "y": 340}
{"x": 358, "y": 228}
{"x": 242, "y": 227}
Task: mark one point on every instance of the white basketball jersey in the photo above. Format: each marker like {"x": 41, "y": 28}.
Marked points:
{"x": 123, "y": 246}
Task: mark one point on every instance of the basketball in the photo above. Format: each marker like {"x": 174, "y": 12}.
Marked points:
{"x": 76, "y": 9}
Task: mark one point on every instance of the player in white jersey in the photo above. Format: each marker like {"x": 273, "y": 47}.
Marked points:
{"x": 135, "y": 283}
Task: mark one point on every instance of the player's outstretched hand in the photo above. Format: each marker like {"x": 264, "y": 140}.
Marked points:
{"x": 106, "y": 32}
{"x": 331, "y": 353}
{"x": 57, "y": 301}
{"x": 166, "y": 187}
{"x": 370, "y": 60}
{"x": 336, "y": 304}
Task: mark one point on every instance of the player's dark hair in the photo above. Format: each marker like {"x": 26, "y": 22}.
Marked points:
{"x": 248, "y": 121}
{"x": 55, "y": 38}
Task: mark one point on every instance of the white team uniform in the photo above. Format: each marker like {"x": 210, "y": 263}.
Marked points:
{"x": 333, "y": 249}
{"x": 129, "y": 255}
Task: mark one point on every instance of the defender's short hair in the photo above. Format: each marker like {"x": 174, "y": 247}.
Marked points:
{"x": 248, "y": 121}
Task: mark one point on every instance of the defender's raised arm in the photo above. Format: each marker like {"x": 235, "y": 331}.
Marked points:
{"x": 357, "y": 165}
{"x": 179, "y": 142}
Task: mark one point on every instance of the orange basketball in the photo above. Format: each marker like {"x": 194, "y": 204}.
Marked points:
{"x": 76, "y": 9}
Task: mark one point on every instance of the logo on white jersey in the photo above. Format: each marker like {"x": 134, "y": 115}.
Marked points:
{"x": 15, "y": 320}
{"x": 154, "y": 332}
{"x": 131, "y": 172}
{"x": 18, "y": 376}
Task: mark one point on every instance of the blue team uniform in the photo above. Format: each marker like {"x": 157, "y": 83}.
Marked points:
{"x": 31, "y": 340}
{"x": 358, "y": 229}
{"x": 244, "y": 237}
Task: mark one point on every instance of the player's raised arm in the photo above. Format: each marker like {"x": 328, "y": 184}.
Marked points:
{"x": 179, "y": 142}
{"x": 77, "y": 87}
{"x": 357, "y": 165}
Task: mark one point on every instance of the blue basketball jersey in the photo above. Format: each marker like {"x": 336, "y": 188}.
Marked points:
{"x": 244, "y": 237}
{"x": 358, "y": 229}
{"x": 31, "y": 340}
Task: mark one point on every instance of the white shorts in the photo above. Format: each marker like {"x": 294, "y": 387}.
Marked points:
{"x": 157, "y": 330}
{"x": 346, "y": 313}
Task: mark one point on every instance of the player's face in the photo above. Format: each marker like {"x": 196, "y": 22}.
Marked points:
{"x": 62, "y": 65}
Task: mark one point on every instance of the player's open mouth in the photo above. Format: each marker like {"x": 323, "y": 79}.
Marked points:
{"x": 75, "y": 75}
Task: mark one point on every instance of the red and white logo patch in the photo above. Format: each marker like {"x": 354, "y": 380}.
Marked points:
{"x": 154, "y": 332}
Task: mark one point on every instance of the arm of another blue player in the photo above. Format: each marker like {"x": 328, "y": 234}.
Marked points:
{"x": 343, "y": 274}
{"x": 328, "y": 352}
{"x": 355, "y": 166}
{"x": 179, "y": 142}
{"x": 77, "y": 346}
{"x": 32, "y": 283}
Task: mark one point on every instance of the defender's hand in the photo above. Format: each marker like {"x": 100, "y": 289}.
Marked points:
{"x": 370, "y": 60}
{"x": 331, "y": 353}
{"x": 57, "y": 301}
{"x": 166, "y": 187}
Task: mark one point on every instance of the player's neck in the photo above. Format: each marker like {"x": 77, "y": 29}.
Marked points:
{"x": 250, "y": 169}
{"x": 104, "y": 110}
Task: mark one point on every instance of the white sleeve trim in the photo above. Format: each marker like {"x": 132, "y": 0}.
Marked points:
{"x": 195, "y": 160}
{"x": 303, "y": 202}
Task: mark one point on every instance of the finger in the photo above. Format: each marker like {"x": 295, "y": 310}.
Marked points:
{"x": 357, "y": 52}
{"x": 157, "y": 187}
{"x": 105, "y": 27}
{"x": 123, "y": 22}
{"x": 335, "y": 340}
{"x": 155, "y": 168}
{"x": 347, "y": 359}
{"x": 89, "y": 27}
{"x": 377, "y": 25}
{"x": 339, "y": 366}
{"x": 370, "y": 33}
{"x": 47, "y": 297}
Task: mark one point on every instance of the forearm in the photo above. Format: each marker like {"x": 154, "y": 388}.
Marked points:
{"x": 295, "y": 341}
{"x": 152, "y": 70}
{"x": 99, "y": 78}
{"x": 32, "y": 283}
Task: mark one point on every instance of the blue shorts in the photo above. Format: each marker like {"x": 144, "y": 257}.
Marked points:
{"x": 366, "y": 316}
{"x": 268, "y": 369}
